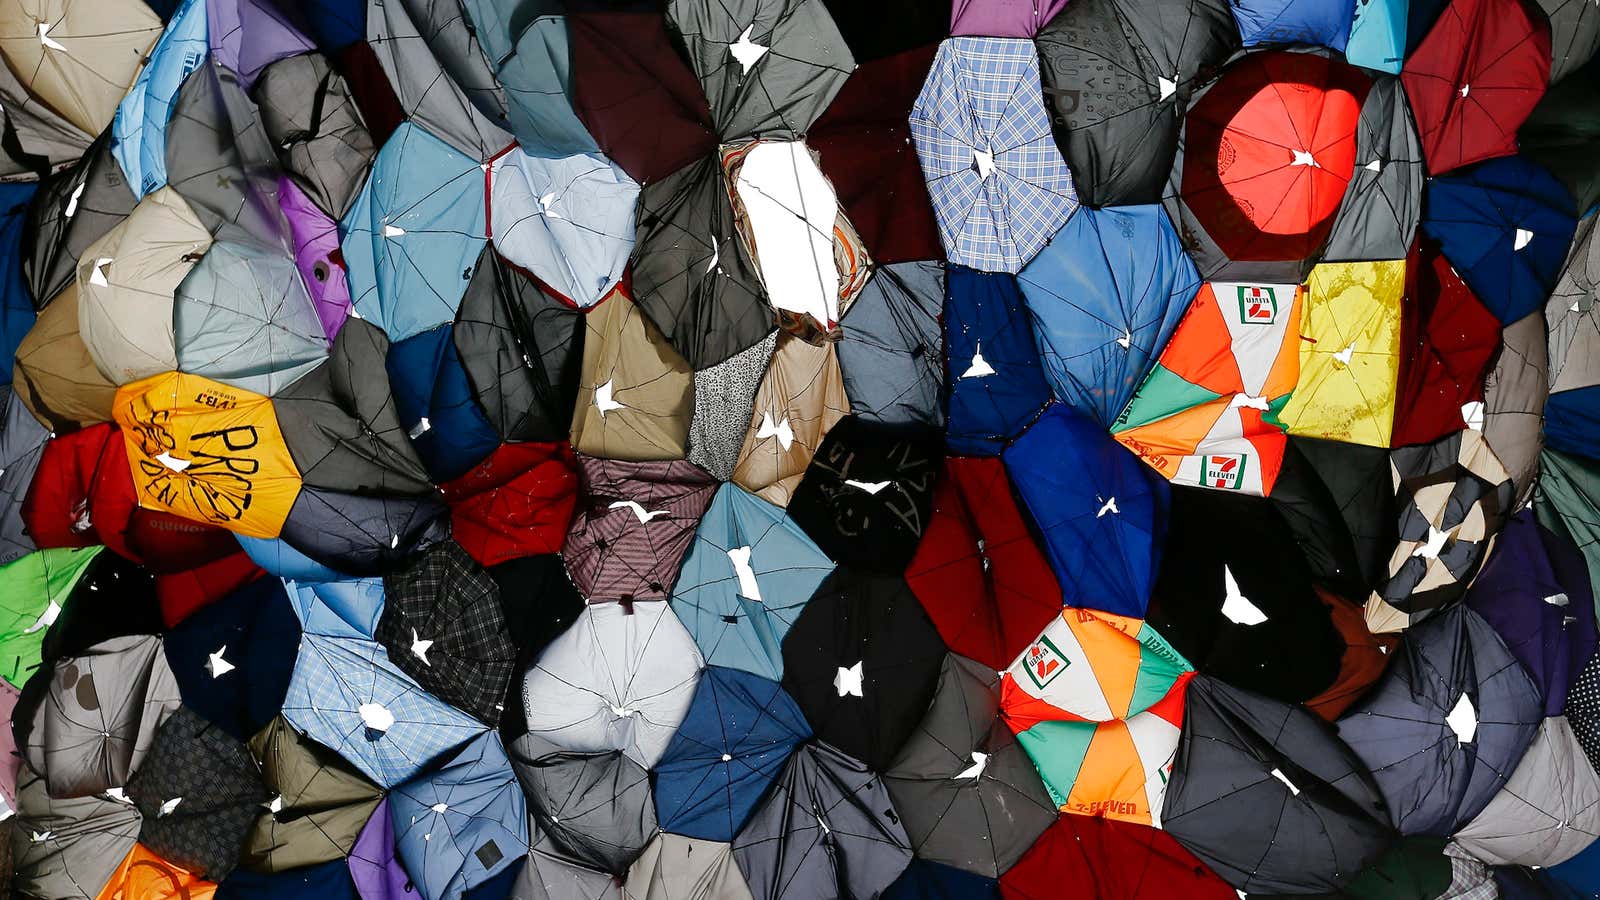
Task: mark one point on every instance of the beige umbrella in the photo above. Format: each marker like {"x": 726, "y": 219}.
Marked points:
{"x": 55, "y": 376}
{"x": 636, "y": 394}
{"x": 77, "y": 56}
{"x": 801, "y": 397}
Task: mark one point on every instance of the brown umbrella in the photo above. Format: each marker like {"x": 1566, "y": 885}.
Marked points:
{"x": 636, "y": 394}
{"x": 799, "y": 400}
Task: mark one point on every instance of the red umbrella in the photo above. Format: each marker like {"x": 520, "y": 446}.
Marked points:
{"x": 1447, "y": 339}
{"x": 515, "y": 503}
{"x": 1366, "y": 656}
{"x": 1109, "y": 860}
{"x": 1475, "y": 78}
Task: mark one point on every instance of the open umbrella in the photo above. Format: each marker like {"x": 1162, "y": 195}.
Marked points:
{"x": 71, "y": 210}
{"x": 890, "y": 354}
{"x": 633, "y": 527}
{"x": 461, "y": 824}
{"x": 724, "y": 400}
{"x": 434, "y": 402}
{"x": 55, "y": 376}
{"x": 1123, "y": 860}
{"x": 314, "y": 236}
{"x": 1448, "y": 339}
{"x": 373, "y": 866}
{"x": 1559, "y": 130}
{"x": 36, "y": 589}
{"x": 673, "y": 866}
{"x": 635, "y": 393}
{"x": 233, "y": 658}
{"x": 319, "y": 803}
{"x": 324, "y": 146}
{"x": 89, "y": 60}
{"x": 801, "y": 397}
{"x": 1570, "y": 418}
{"x": 22, "y": 441}
{"x": 67, "y": 847}
{"x": 997, "y": 18}
{"x": 993, "y": 395}
{"x": 1294, "y": 22}
{"x": 595, "y": 807}
{"x": 1549, "y": 809}
{"x": 1378, "y": 216}
{"x": 140, "y": 124}
{"x": 515, "y": 503}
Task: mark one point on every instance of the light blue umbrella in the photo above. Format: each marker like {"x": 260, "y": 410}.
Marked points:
{"x": 567, "y": 220}
{"x": 338, "y": 608}
{"x": 461, "y": 825}
{"x": 139, "y": 131}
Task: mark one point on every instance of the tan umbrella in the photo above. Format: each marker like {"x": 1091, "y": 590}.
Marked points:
{"x": 126, "y": 284}
{"x": 801, "y": 397}
{"x": 636, "y": 394}
{"x": 77, "y": 56}
{"x": 55, "y": 377}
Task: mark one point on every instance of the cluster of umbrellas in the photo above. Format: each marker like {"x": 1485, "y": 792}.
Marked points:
{"x": 799, "y": 449}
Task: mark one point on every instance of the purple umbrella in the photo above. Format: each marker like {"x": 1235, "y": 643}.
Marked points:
{"x": 271, "y": 37}
{"x": 373, "y": 866}
{"x": 1002, "y": 18}
{"x": 316, "y": 241}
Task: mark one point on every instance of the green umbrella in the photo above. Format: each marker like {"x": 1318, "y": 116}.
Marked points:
{"x": 32, "y": 591}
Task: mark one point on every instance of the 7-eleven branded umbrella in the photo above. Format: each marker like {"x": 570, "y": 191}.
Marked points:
{"x": 1206, "y": 414}
{"x": 209, "y": 452}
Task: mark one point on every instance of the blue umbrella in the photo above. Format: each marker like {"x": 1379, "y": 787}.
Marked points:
{"x": 1325, "y": 22}
{"x": 463, "y": 824}
{"x": 435, "y": 404}
{"x": 139, "y": 131}
{"x": 328, "y": 881}
{"x": 997, "y": 385}
{"x": 284, "y": 561}
{"x": 16, "y": 304}
{"x": 1378, "y": 35}
{"x": 347, "y": 608}
{"x": 233, "y": 658}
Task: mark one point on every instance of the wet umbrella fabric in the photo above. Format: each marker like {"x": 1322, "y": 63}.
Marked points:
{"x": 324, "y": 146}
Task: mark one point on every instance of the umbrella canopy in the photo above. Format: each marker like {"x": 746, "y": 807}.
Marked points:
{"x": 140, "y": 124}
{"x": 319, "y": 803}
{"x": 997, "y": 18}
{"x": 1549, "y": 810}
{"x": 434, "y": 403}
{"x": 1104, "y": 297}
{"x": 36, "y": 588}
{"x": 800, "y": 399}
{"x": 594, "y": 807}
{"x": 1123, "y": 860}
{"x": 144, "y": 873}
{"x": 337, "y": 608}
{"x": 1559, "y": 130}
{"x": 89, "y": 60}
{"x": 323, "y": 146}
{"x": 329, "y": 881}
{"x": 1100, "y": 512}
{"x": 1506, "y": 226}
{"x": 868, "y": 493}
{"x": 515, "y": 503}
{"x": 567, "y": 220}
{"x": 1380, "y": 209}
{"x": 621, "y": 678}
{"x": 315, "y": 238}
{"x": 1574, "y": 36}
{"x": 199, "y": 791}
{"x": 1294, "y": 22}
{"x": 1569, "y": 416}
{"x": 43, "y": 139}
{"x": 724, "y": 399}
{"x": 732, "y": 744}
{"x": 95, "y": 194}
{"x": 1267, "y": 797}
{"x": 789, "y": 62}
{"x": 96, "y": 714}
{"x": 270, "y": 36}
{"x": 67, "y": 848}
{"x": 1454, "y": 496}
{"x": 1447, "y": 725}
{"x": 1260, "y": 173}
{"x": 746, "y": 579}
{"x": 673, "y": 866}
{"x": 550, "y": 874}
{"x": 1474, "y": 78}
{"x": 373, "y": 866}
{"x": 1366, "y": 657}
{"x": 998, "y": 184}
{"x": 890, "y": 354}
{"x": 1378, "y": 35}
{"x": 347, "y": 695}
{"x": 826, "y": 827}
{"x": 233, "y": 658}
{"x": 636, "y": 522}
{"x": 979, "y": 575}
{"x": 22, "y": 441}
{"x": 442, "y": 624}
{"x": 635, "y": 395}
{"x": 967, "y": 795}
{"x": 412, "y": 235}
{"x": 534, "y": 68}
{"x": 360, "y": 535}
{"x": 993, "y": 395}
{"x": 1448, "y": 339}
{"x": 462, "y": 824}
{"x": 863, "y": 661}
{"x": 1116, "y": 74}
{"x": 55, "y": 376}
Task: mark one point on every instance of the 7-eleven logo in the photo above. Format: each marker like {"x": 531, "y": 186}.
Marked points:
{"x": 1223, "y": 470}
{"x": 1258, "y": 304}
{"x": 1044, "y": 661}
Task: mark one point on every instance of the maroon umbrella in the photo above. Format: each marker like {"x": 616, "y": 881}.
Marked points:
{"x": 634, "y": 524}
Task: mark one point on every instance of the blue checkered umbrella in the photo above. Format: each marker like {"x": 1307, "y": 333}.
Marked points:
{"x": 996, "y": 178}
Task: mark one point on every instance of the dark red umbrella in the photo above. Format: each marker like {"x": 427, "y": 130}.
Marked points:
{"x": 515, "y": 503}
{"x": 634, "y": 526}
{"x": 1110, "y": 860}
{"x": 1447, "y": 340}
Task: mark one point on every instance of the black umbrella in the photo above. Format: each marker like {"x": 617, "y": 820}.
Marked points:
{"x": 359, "y": 535}
{"x": 1338, "y": 502}
{"x": 595, "y": 806}
{"x": 71, "y": 210}
{"x": 309, "y": 115}
{"x": 538, "y": 601}
{"x": 67, "y": 847}
{"x": 438, "y": 72}
{"x": 1383, "y": 203}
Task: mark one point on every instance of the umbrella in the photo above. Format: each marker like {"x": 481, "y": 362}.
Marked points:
{"x": 95, "y": 194}
{"x": 199, "y": 792}
{"x": 242, "y": 317}
{"x": 143, "y": 873}
{"x": 22, "y": 441}
{"x": 1447, "y": 725}
{"x": 621, "y": 678}
{"x": 673, "y": 866}
{"x": 1448, "y": 339}
{"x": 873, "y": 33}
{"x": 826, "y": 828}
{"x": 724, "y": 400}
{"x": 247, "y": 36}
{"x": 633, "y": 527}
{"x": 890, "y": 355}
{"x": 1559, "y": 131}
{"x": 1100, "y": 512}
{"x": 347, "y": 695}
{"x": 568, "y": 220}
{"x": 139, "y": 127}
{"x": 38, "y": 138}
{"x": 376, "y": 872}
{"x": 1506, "y": 226}
{"x": 1379, "y": 213}
{"x": 978, "y": 573}
{"x": 734, "y": 740}
{"x": 434, "y": 402}
{"x": 594, "y": 806}
{"x": 997, "y": 18}
{"x": 1569, "y": 419}
{"x": 324, "y": 145}
{"x": 1116, "y": 74}
{"x": 867, "y": 495}
{"x": 337, "y": 608}
{"x": 1378, "y": 34}
{"x": 1366, "y": 657}
{"x": 1549, "y": 810}
{"x": 921, "y": 880}
{"x": 208, "y": 452}
{"x": 88, "y": 734}
{"x": 360, "y": 535}
{"x": 967, "y": 795}
{"x": 533, "y": 61}
{"x": 1574, "y": 36}
{"x": 800, "y": 399}
{"x": 1454, "y": 496}
{"x": 1534, "y": 590}
{"x": 1260, "y": 173}
{"x": 325, "y": 881}
{"x": 319, "y": 803}
{"x": 745, "y": 581}
{"x": 67, "y": 847}
{"x": 515, "y": 503}
{"x": 1268, "y": 797}
{"x": 1350, "y": 331}
{"x": 635, "y": 394}
{"x": 438, "y": 72}
{"x": 550, "y": 874}
{"x": 414, "y": 231}
{"x": 89, "y": 61}
{"x": 971, "y": 124}
{"x": 16, "y": 304}
{"x": 1294, "y": 22}
{"x": 315, "y": 238}
{"x": 1104, "y": 298}
{"x": 472, "y": 805}
{"x": 862, "y": 660}
{"x": 768, "y": 67}
{"x": 442, "y": 624}
{"x": 1121, "y": 859}
{"x": 55, "y": 376}
{"x": 993, "y": 393}
{"x": 36, "y": 589}
{"x": 113, "y": 599}
{"x": 1474, "y": 78}
{"x": 233, "y": 659}
{"x": 1243, "y": 612}
{"x": 522, "y": 350}
{"x": 1561, "y": 503}
{"x": 126, "y": 284}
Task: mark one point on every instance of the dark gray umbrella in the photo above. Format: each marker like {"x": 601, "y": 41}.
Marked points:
{"x": 440, "y": 76}
{"x": 675, "y": 867}
{"x": 1574, "y": 34}
{"x": 68, "y": 847}
{"x": 309, "y": 115}
{"x": 1383, "y": 203}
{"x": 596, "y": 807}
{"x": 361, "y": 535}
{"x": 22, "y": 441}
{"x": 550, "y": 874}
{"x": 72, "y": 209}
{"x": 967, "y": 794}
{"x": 892, "y": 355}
